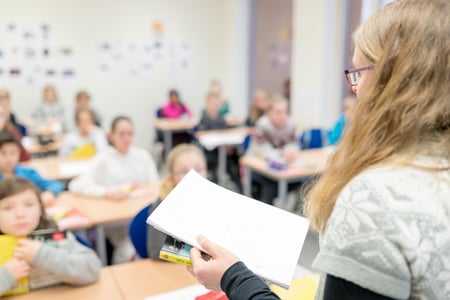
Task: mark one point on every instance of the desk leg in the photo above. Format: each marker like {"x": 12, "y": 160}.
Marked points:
{"x": 222, "y": 164}
{"x": 167, "y": 142}
{"x": 100, "y": 243}
{"x": 282, "y": 192}
{"x": 248, "y": 182}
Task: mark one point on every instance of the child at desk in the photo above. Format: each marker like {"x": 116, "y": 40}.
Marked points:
{"x": 175, "y": 108}
{"x": 22, "y": 212}
{"x": 115, "y": 173}
{"x": 6, "y": 125}
{"x": 88, "y": 138}
{"x": 259, "y": 107}
{"x": 9, "y": 166}
{"x": 274, "y": 137}
{"x": 212, "y": 120}
{"x": 180, "y": 161}
{"x": 50, "y": 112}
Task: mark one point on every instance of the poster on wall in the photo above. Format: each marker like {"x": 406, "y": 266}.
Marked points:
{"x": 29, "y": 55}
{"x": 154, "y": 54}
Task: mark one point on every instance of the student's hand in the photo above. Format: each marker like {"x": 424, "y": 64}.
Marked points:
{"x": 27, "y": 249}
{"x": 48, "y": 198}
{"x": 115, "y": 194}
{"x": 289, "y": 154}
{"x": 18, "y": 268}
{"x": 209, "y": 273}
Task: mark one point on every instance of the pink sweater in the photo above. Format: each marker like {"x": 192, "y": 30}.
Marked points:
{"x": 173, "y": 111}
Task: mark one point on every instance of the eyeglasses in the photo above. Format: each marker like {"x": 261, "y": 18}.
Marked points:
{"x": 353, "y": 75}
{"x": 181, "y": 173}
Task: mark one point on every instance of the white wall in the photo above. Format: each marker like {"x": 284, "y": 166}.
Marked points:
{"x": 317, "y": 61}
{"x": 208, "y": 26}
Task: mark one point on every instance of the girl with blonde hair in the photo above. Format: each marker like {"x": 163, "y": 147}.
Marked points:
{"x": 180, "y": 161}
{"x": 382, "y": 206}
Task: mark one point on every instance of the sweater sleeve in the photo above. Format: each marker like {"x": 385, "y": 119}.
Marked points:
{"x": 152, "y": 171}
{"x": 87, "y": 182}
{"x": 338, "y": 288}
{"x": 77, "y": 265}
{"x": 239, "y": 283}
{"x": 44, "y": 184}
{"x": 361, "y": 242}
{"x": 7, "y": 282}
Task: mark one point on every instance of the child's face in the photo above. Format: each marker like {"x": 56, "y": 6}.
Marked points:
{"x": 278, "y": 114}
{"x": 174, "y": 99}
{"x": 9, "y": 157}
{"x": 85, "y": 122}
{"x": 82, "y": 102}
{"x": 20, "y": 213}
{"x": 50, "y": 95}
{"x": 213, "y": 105}
{"x": 122, "y": 136}
{"x": 184, "y": 163}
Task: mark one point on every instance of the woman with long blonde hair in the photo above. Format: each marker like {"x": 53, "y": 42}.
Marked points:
{"x": 382, "y": 206}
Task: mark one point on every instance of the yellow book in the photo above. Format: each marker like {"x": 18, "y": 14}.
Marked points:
{"x": 7, "y": 245}
{"x": 304, "y": 288}
{"x": 176, "y": 251}
{"x": 85, "y": 151}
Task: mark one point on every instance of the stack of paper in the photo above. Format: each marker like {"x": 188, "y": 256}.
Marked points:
{"x": 267, "y": 239}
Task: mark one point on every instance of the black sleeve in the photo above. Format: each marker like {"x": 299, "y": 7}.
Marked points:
{"x": 341, "y": 289}
{"x": 239, "y": 283}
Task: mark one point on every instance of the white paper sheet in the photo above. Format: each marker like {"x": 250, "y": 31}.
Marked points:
{"x": 187, "y": 293}
{"x": 267, "y": 239}
{"x": 213, "y": 140}
{"x": 74, "y": 168}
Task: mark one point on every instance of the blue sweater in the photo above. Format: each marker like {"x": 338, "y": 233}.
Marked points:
{"x": 32, "y": 175}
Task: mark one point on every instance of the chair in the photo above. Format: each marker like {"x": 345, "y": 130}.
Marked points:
{"x": 83, "y": 241}
{"x": 312, "y": 138}
{"x": 138, "y": 231}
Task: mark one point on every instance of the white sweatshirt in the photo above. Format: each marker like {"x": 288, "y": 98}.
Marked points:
{"x": 73, "y": 140}
{"x": 113, "y": 169}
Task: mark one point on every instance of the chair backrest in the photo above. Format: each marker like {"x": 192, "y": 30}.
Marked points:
{"x": 159, "y": 113}
{"x": 83, "y": 241}
{"x": 246, "y": 142}
{"x": 312, "y": 138}
{"x": 138, "y": 231}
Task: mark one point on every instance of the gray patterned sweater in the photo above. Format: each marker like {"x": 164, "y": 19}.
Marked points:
{"x": 390, "y": 233}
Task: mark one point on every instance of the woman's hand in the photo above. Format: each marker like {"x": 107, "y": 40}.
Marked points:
{"x": 209, "y": 273}
{"x": 18, "y": 268}
{"x": 27, "y": 249}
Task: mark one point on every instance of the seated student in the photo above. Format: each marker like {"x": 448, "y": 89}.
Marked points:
{"x": 180, "y": 161}
{"x": 50, "y": 112}
{"x": 114, "y": 174}
{"x": 259, "y": 107}
{"x": 21, "y": 213}
{"x": 9, "y": 166}
{"x": 6, "y": 125}
{"x": 175, "y": 108}
{"x": 5, "y": 102}
{"x": 82, "y": 101}
{"x": 274, "y": 136}
{"x": 216, "y": 88}
{"x": 86, "y": 134}
{"x": 336, "y": 133}
{"x": 211, "y": 120}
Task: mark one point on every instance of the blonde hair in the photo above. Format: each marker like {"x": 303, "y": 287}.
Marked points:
{"x": 4, "y": 96}
{"x": 255, "y": 112}
{"x": 181, "y": 149}
{"x": 275, "y": 99}
{"x": 405, "y": 110}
